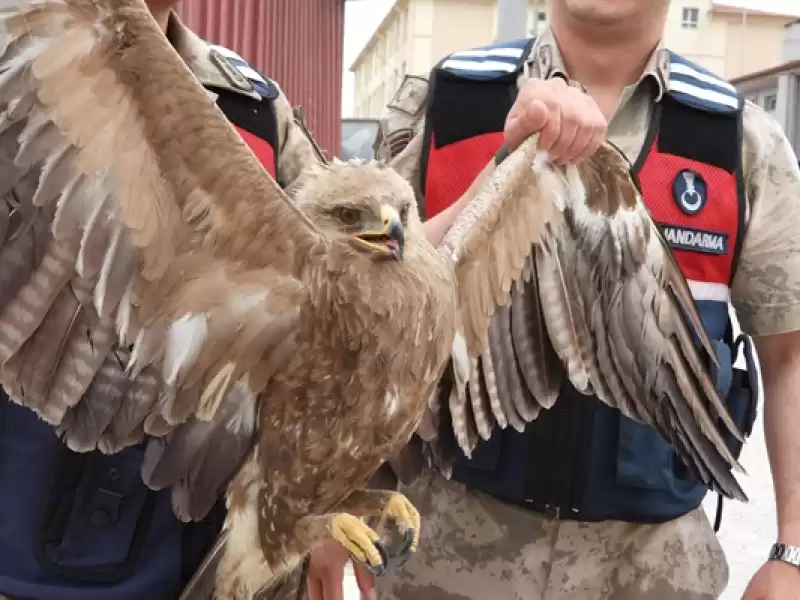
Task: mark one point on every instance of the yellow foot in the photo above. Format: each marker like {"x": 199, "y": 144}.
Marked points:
{"x": 360, "y": 540}
{"x": 405, "y": 515}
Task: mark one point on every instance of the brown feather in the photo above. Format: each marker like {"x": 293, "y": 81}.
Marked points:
{"x": 606, "y": 297}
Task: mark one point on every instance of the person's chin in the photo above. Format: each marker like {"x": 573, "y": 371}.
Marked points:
{"x": 603, "y": 12}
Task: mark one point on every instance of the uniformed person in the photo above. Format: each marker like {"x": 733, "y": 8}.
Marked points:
{"x": 616, "y": 517}
{"x": 83, "y": 526}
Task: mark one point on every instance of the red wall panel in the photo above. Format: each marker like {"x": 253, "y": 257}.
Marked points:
{"x": 298, "y": 43}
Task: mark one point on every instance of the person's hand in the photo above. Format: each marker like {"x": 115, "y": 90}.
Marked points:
{"x": 326, "y": 573}
{"x": 570, "y": 125}
{"x": 775, "y": 580}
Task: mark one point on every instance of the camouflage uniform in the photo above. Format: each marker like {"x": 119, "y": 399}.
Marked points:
{"x": 476, "y": 547}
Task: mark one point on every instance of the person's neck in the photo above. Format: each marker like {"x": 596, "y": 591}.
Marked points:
{"x": 609, "y": 58}
{"x": 161, "y": 15}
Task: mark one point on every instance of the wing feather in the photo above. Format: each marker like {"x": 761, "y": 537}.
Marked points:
{"x": 148, "y": 262}
{"x": 595, "y": 293}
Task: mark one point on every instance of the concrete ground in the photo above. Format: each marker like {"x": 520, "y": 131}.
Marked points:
{"x": 748, "y": 530}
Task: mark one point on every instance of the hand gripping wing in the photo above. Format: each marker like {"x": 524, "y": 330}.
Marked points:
{"x": 147, "y": 260}
{"x": 563, "y": 272}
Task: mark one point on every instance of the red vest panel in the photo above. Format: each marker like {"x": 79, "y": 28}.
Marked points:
{"x": 261, "y": 148}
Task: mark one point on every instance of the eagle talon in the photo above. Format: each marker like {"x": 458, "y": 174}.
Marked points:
{"x": 360, "y": 540}
{"x": 378, "y": 570}
{"x": 407, "y": 519}
{"x": 404, "y": 554}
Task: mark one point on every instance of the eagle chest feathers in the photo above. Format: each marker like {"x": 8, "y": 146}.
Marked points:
{"x": 379, "y": 336}
{"x": 385, "y": 325}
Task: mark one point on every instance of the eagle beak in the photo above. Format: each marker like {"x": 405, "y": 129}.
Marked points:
{"x": 390, "y": 239}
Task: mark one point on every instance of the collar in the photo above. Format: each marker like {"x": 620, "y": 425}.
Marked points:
{"x": 210, "y": 66}
{"x": 545, "y": 61}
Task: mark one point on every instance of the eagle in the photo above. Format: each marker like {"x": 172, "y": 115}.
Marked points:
{"x": 157, "y": 285}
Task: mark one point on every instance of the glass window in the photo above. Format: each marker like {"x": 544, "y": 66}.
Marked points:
{"x": 689, "y": 17}
{"x": 770, "y": 102}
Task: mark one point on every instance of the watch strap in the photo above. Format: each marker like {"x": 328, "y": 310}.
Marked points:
{"x": 785, "y": 553}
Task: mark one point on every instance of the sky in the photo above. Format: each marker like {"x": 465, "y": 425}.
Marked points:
{"x": 361, "y": 18}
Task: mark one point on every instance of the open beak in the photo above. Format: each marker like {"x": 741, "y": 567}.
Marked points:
{"x": 390, "y": 239}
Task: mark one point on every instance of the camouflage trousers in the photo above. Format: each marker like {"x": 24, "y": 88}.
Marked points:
{"x": 475, "y": 547}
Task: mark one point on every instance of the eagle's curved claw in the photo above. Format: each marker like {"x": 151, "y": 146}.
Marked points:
{"x": 408, "y": 548}
{"x": 360, "y": 540}
{"x": 377, "y": 571}
{"x": 406, "y": 518}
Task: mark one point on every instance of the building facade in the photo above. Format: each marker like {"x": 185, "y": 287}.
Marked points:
{"x": 777, "y": 88}
{"x": 415, "y": 34}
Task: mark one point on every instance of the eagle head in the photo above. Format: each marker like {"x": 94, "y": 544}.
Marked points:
{"x": 367, "y": 202}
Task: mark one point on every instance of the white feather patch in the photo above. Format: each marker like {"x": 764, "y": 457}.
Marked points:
{"x": 124, "y": 314}
{"x": 461, "y": 361}
{"x": 540, "y": 160}
{"x": 185, "y": 339}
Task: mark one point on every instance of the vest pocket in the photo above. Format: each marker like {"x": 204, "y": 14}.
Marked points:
{"x": 97, "y": 517}
{"x": 742, "y": 403}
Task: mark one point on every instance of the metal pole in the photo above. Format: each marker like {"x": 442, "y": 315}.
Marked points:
{"x": 512, "y": 20}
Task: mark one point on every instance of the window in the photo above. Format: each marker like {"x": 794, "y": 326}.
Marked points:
{"x": 770, "y": 102}
{"x": 539, "y": 23}
{"x": 689, "y": 17}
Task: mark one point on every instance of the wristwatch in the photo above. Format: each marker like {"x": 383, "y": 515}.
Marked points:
{"x": 785, "y": 553}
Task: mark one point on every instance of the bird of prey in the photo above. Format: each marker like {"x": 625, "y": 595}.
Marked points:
{"x": 156, "y": 283}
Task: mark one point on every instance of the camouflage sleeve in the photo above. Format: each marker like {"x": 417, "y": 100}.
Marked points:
{"x": 296, "y": 146}
{"x": 766, "y": 288}
{"x": 399, "y": 139}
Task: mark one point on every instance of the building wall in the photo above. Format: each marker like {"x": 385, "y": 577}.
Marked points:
{"x": 791, "y": 41}
{"x": 433, "y": 28}
{"x": 753, "y": 44}
{"x": 704, "y": 44}
{"x": 458, "y": 24}
{"x": 298, "y": 43}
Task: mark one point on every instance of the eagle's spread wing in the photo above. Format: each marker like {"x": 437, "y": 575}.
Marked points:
{"x": 147, "y": 260}
{"x": 563, "y": 273}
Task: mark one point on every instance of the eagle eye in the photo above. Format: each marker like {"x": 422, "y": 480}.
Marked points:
{"x": 348, "y": 216}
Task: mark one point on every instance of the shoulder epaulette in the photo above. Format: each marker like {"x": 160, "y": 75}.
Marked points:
{"x": 263, "y": 87}
{"x": 698, "y": 87}
{"x": 488, "y": 62}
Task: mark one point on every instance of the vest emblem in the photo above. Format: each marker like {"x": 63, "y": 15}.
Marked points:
{"x": 690, "y": 191}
